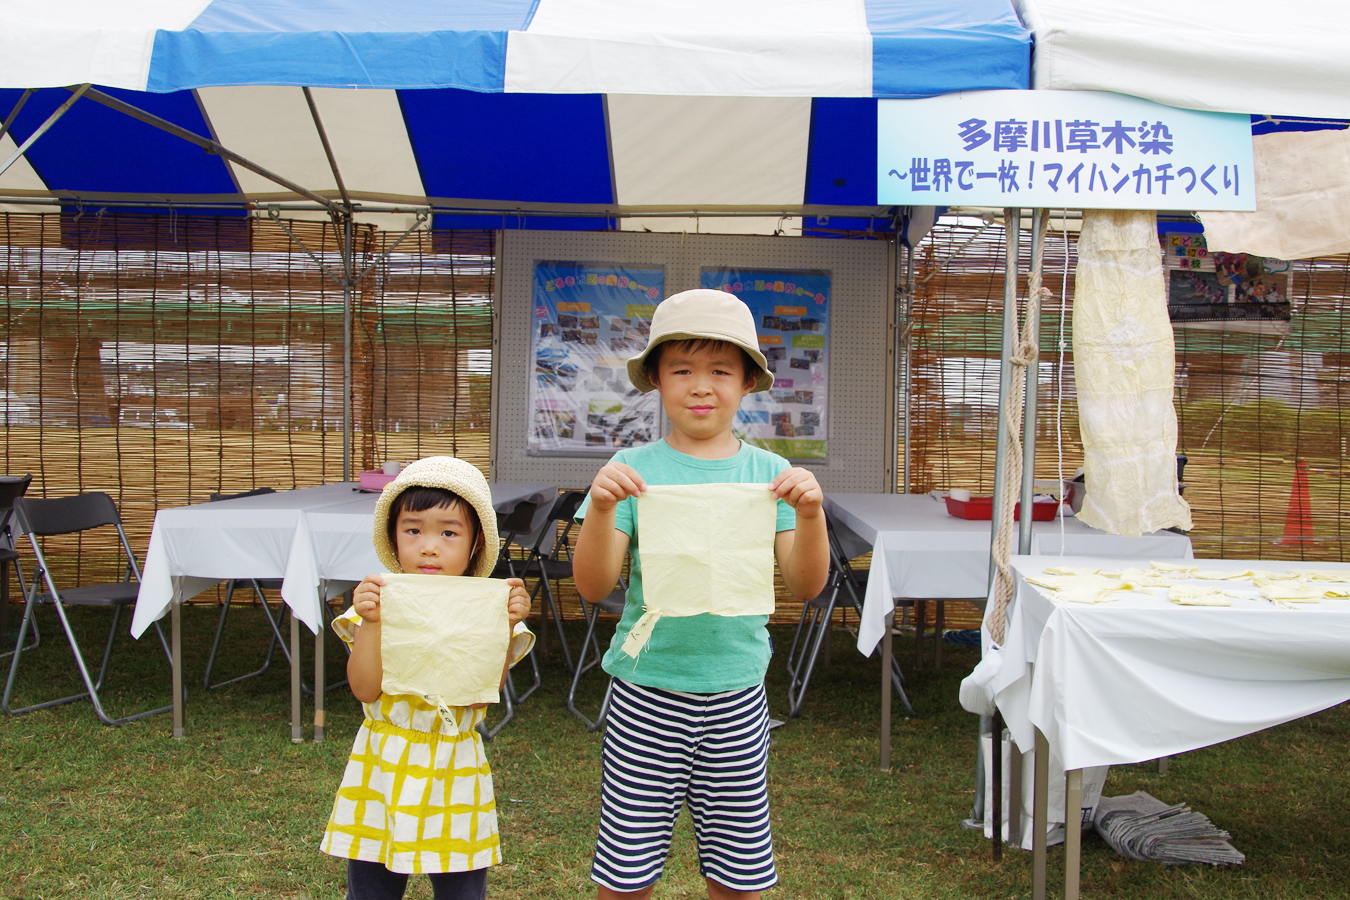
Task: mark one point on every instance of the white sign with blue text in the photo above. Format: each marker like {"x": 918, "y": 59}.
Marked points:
{"x": 1061, "y": 149}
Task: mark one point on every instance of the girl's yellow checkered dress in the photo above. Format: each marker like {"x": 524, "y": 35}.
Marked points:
{"x": 414, "y": 797}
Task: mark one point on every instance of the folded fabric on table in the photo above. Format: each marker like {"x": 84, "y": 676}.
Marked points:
{"x": 1146, "y": 578}
{"x": 1215, "y": 575}
{"x": 1263, "y": 578}
{"x": 1077, "y": 570}
{"x": 1176, "y": 570}
{"x": 1187, "y": 595}
{"x": 1337, "y": 594}
{"x": 1291, "y": 592}
{"x": 1083, "y": 588}
{"x": 1337, "y": 575}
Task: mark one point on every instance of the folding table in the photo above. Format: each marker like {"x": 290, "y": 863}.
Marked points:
{"x": 266, "y": 536}
{"x": 921, "y": 552}
{"x": 1142, "y": 677}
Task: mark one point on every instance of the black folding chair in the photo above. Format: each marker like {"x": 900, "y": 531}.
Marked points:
{"x": 611, "y": 605}
{"x": 12, "y": 487}
{"x": 511, "y": 526}
{"x": 817, "y": 622}
{"x": 550, "y": 560}
{"x": 68, "y": 515}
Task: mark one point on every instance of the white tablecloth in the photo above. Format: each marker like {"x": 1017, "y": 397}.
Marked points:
{"x": 920, "y": 551}
{"x": 270, "y": 536}
{"x": 333, "y": 546}
{"x": 1143, "y": 677}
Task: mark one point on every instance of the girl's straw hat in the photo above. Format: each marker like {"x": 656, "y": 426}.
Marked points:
{"x": 452, "y": 475}
{"x": 703, "y": 313}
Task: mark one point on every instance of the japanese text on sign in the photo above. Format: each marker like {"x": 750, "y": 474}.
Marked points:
{"x": 1061, "y": 148}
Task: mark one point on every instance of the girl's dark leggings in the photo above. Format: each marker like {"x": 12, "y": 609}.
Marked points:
{"x": 372, "y": 881}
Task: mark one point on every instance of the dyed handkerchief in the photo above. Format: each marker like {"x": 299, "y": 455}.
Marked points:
{"x": 1335, "y": 575}
{"x": 1215, "y": 575}
{"x": 1146, "y": 578}
{"x": 1291, "y": 592}
{"x": 1176, "y": 570}
{"x": 1074, "y": 570}
{"x": 444, "y": 638}
{"x": 706, "y": 548}
{"x": 1198, "y": 596}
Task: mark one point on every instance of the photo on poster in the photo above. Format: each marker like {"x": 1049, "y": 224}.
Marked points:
{"x": 1216, "y": 288}
{"x": 589, "y": 317}
{"x": 791, "y": 310}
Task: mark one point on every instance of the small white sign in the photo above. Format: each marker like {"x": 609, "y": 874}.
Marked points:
{"x": 1061, "y": 149}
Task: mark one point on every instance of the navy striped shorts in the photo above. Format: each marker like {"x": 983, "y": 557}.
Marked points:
{"x": 663, "y": 748}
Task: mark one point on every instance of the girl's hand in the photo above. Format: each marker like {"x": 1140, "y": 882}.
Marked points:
{"x": 614, "y": 482}
{"x": 799, "y": 488}
{"x": 517, "y": 603}
{"x": 366, "y": 599}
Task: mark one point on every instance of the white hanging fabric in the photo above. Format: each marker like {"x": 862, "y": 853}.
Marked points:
{"x": 1125, "y": 360}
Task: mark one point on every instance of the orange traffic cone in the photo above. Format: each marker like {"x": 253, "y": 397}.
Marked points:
{"x": 1298, "y": 526}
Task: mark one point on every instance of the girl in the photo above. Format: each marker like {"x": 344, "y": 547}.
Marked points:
{"x": 416, "y": 797}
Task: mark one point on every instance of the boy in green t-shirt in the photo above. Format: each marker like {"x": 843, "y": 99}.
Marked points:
{"x": 691, "y": 723}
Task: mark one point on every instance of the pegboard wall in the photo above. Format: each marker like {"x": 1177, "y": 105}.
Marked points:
{"x": 861, "y": 402}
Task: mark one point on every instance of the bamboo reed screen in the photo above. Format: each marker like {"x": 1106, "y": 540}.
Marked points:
{"x": 1248, "y": 406}
{"x": 161, "y": 358}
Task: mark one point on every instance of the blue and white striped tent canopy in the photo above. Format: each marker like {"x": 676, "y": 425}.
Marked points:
{"x": 588, "y": 109}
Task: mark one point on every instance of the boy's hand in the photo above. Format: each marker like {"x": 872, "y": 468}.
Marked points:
{"x": 366, "y": 598}
{"x": 613, "y": 483}
{"x": 799, "y": 488}
{"x": 517, "y": 603}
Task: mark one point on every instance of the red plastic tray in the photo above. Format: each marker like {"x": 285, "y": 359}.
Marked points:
{"x": 983, "y": 508}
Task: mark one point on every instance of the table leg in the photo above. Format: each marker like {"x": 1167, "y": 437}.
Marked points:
{"x": 886, "y": 655}
{"x": 1014, "y": 776}
{"x": 1040, "y": 814}
{"x": 176, "y": 651}
{"x": 996, "y": 783}
{"x": 941, "y": 625}
{"x": 1162, "y": 764}
{"x": 297, "y": 730}
{"x": 319, "y": 682}
{"x": 1073, "y": 830}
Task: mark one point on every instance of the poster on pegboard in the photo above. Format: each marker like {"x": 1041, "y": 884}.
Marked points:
{"x": 792, "y": 318}
{"x": 1214, "y": 287}
{"x": 589, "y": 318}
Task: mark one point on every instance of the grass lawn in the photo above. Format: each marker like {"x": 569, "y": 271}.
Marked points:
{"x": 236, "y": 810}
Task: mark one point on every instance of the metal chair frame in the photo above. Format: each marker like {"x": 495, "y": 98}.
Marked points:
{"x": 612, "y": 605}
{"x": 549, "y": 565}
{"x": 11, "y": 488}
{"x": 68, "y": 515}
{"x": 816, "y": 623}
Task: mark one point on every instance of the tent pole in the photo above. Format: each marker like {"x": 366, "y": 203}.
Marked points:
{"x": 14, "y": 113}
{"x": 348, "y": 252}
{"x": 907, "y": 338}
{"x": 60, "y": 111}
{"x": 206, "y": 144}
{"x": 1012, "y": 225}
{"x": 1039, "y": 218}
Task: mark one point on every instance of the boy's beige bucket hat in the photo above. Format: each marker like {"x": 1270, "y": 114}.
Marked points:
{"x": 453, "y": 475}
{"x": 702, "y": 313}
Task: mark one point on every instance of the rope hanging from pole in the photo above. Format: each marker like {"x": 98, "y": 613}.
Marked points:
{"x": 1025, "y": 355}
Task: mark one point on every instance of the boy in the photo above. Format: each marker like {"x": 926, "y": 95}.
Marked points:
{"x": 690, "y": 723}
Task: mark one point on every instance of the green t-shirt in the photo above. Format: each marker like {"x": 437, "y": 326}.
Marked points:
{"x": 702, "y": 654}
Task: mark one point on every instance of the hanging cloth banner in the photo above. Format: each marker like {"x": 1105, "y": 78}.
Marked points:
{"x": 705, "y": 548}
{"x": 1061, "y": 149}
{"x": 1124, "y": 361}
{"x": 444, "y": 638}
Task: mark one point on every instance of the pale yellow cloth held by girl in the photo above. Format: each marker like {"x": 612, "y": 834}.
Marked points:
{"x": 444, "y": 638}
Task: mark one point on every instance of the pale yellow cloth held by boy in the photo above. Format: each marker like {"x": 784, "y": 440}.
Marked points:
{"x": 706, "y": 548}
{"x": 444, "y": 638}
